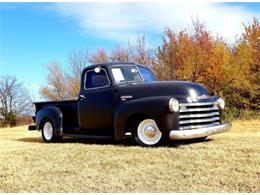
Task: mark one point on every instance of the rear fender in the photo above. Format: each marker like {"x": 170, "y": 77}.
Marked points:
{"x": 54, "y": 114}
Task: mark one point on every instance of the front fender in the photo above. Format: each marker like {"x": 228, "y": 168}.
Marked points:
{"x": 156, "y": 107}
{"x": 54, "y": 114}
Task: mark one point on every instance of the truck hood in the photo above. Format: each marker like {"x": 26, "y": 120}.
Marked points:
{"x": 180, "y": 90}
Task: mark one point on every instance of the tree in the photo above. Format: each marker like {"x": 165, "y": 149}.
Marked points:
{"x": 247, "y": 58}
{"x": 14, "y": 99}
{"x": 100, "y": 56}
{"x": 57, "y": 88}
{"x": 121, "y": 54}
{"x": 196, "y": 57}
{"x": 221, "y": 70}
{"x": 136, "y": 51}
{"x": 141, "y": 53}
{"x": 78, "y": 61}
{"x": 62, "y": 84}
{"x": 168, "y": 57}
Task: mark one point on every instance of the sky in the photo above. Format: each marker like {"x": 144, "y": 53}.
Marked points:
{"x": 35, "y": 34}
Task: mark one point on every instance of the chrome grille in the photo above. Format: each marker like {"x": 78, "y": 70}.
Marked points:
{"x": 198, "y": 115}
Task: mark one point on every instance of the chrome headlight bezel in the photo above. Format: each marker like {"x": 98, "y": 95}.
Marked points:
{"x": 221, "y": 103}
{"x": 174, "y": 105}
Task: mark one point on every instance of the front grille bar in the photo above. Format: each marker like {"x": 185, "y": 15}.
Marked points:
{"x": 199, "y": 109}
{"x": 199, "y": 115}
{"x": 200, "y": 120}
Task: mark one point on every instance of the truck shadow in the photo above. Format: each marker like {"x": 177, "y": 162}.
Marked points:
{"x": 30, "y": 139}
{"x": 126, "y": 141}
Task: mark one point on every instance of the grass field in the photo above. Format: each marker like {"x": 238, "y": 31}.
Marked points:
{"x": 228, "y": 162}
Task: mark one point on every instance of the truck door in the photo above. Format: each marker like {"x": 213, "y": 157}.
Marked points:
{"x": 95, "y": 104}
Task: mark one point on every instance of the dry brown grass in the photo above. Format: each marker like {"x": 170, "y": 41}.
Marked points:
{"x": 228, "y": 162}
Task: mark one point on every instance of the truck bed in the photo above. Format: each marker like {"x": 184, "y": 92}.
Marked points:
{"x": 69, "y": 109}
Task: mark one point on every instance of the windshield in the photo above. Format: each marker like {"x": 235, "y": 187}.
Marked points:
{"x": 124, "y": 74}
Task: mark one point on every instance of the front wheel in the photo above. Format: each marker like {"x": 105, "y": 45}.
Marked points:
{"x": 48, "y": 134}
{"x": 146, "y": 133}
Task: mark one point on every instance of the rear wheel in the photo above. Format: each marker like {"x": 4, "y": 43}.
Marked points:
{"x": 48, "y": 134}
{"x": 146, "y": 132}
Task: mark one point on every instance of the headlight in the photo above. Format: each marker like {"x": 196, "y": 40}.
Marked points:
{"x": 221, "y": 103}
{"x": 173, "y": 105}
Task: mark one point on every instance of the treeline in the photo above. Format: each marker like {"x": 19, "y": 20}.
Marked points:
{"x": 230, "y": 71}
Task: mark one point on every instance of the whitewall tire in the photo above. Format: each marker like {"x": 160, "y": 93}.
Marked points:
{"x": 48, "y": 134}
{"x": 147, "y": 133}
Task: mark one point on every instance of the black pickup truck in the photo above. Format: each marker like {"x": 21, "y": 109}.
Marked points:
{"x": 120, "y": 98}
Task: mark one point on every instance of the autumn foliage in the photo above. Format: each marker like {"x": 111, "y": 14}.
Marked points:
{"x": 228, "y": 70}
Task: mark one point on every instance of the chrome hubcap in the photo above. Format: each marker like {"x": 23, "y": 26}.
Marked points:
{"x": 148, "y": 132}
{"x": 47, "y": 131}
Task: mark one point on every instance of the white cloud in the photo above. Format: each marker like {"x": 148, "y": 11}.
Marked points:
{"x": 121, "y": 21}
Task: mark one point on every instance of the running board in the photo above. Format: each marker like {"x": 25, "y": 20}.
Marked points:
{"x": 88, "y": 136}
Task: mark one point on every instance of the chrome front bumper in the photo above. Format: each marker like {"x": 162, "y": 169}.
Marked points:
{"x": 198, "y": 133}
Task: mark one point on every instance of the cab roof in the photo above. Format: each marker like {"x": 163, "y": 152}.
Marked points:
{"x": 110, "y": 64}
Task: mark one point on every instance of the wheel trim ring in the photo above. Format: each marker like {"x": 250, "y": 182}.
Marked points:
{"x": 141, "y": 132}
{"x": 48, "y": 131}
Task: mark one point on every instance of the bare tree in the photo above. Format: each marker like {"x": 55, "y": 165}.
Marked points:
{"x": 121, "y": 54}
{"x": 65, "y": 84}
{"x": 14, "y": 98}
{"x": 78, "y": 61}
{"x": 141, "y": 53}
{"x": 99, "y": 56}
{"x": 136, "y": 51}
{"x": 56, "y": 88}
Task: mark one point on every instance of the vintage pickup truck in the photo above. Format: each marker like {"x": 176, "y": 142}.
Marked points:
{"x": 120, "y": 98}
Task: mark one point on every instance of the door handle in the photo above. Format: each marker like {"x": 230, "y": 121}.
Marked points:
{"x": 82, "y": 96}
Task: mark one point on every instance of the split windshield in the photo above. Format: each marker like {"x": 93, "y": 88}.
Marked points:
{"x": 123, "y": 74}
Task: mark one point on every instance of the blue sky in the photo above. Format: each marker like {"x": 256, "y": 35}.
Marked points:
{"x": 35, "y": 34}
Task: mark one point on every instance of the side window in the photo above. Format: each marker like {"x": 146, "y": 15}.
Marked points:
{"x": 94, "y": 79}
